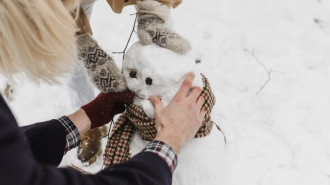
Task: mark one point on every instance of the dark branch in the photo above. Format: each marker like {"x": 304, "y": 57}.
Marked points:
{"x": 129, "y": 39}
{"x": 269, "y": 71}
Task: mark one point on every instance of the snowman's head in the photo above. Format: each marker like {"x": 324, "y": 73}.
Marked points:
{"x": 153, "y": 70}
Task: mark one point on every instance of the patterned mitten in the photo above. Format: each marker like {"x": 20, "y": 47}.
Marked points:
{"x": 100, "y": 66}
{"x": 105, "y": 106}
{"x": 152, "y": 19}
{"x": 86, "y": 2}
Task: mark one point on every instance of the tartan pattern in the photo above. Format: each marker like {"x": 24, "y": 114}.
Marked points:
{"x": 135, "y": 119}
{"x": 79, "y": 170}
{"x": 117, "y": 148}
{"x": 165, "y": 151}
{"x": 208, "y": 105}
{"x": 144, "y": 125}
{"x": 71, "y": 132}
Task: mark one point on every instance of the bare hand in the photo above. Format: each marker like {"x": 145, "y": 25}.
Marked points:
{"x": 178, "y": 122}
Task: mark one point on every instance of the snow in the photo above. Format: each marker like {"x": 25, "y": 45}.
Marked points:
{"x": 165, "y": 68}
{"x": 202, "y": 159}
{"x": 278, "y": 137}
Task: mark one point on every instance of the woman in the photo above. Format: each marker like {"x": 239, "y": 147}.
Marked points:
{"x": 37, "y": 38}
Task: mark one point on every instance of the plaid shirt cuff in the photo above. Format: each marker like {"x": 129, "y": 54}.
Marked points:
{"x": 71, "y": 132}
{"x": 165, "y": 151}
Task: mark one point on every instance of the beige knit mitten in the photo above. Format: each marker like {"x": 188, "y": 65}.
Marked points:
{"x": 86, "y": 2}
{"x": 152, "y": 19}
{"x": 100, "y": 67}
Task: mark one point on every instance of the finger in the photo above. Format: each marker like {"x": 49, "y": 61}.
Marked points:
{"x": 200, "y": 101}
{"x": 126, "y": 96}
{"x": 118, "y": 108}
{"x": 178, "y": 44}
{"x": 202, "y": 115}
{"x": 196, "y": 91}
{"x": 185, "y": 87}
{"x": 144, "y": 37}
{"x": 156, "y": 103}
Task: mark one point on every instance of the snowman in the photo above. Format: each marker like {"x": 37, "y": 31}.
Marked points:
{"x": 159, "y": 70}
{"x": 153, "y": 70}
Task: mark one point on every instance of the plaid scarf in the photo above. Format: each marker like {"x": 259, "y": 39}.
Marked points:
{"x": 135, "y": 119}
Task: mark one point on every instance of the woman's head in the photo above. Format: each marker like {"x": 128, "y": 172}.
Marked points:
{"x": 37, "y": 37}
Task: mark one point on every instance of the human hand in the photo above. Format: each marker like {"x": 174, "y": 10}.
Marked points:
{"x": 179, "y": 121}
{"x": 105, "y": 106}
{"x": 152, "y": 19}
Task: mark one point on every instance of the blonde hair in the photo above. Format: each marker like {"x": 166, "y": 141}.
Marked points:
{"x": 37, "y": 37}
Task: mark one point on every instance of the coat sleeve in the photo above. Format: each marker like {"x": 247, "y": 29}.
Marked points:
{"x": 47, "y": 141}
{"x": 18, "y": 166}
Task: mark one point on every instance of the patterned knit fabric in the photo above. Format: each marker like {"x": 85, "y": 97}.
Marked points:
{"x": 135, "y": 119}
{"x": 152, "y": 19}
{"x": 100, "y": 67}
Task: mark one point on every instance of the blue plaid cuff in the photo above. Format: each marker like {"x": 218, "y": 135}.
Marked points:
{"x": 165, "y": 151}
{"x": 72, "y": 134}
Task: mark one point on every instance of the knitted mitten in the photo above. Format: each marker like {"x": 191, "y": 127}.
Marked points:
{"x": 152, "y": 19}
{"x": 86, "y": 2}
{"x": 100, "y": 66}
{"x": 105, "y": 106}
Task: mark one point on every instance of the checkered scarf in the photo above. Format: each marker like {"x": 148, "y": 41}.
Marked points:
{"x": 135, "y": 119}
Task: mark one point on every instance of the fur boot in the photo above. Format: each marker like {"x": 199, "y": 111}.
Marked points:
{"x": 91, "y": 147}
{"x": 8, "y": 91}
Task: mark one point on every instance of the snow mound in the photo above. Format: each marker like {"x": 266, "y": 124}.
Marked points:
{"x": 153, "y": 70}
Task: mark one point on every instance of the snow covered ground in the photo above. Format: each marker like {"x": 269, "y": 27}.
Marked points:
{"x": 278, "y": 137}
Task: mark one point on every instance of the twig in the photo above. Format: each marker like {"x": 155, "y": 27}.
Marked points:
{"x": 118, "y": 52}
{"x": 129, "y": 39}
{"x": 269, "y": 71}
{"x": 224, "y": 137}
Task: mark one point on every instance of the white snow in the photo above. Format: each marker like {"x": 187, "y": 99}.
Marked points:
{"x": 202, "y": 159}
{"x": 281, "y": 136}
{"x": 164, "y": 68}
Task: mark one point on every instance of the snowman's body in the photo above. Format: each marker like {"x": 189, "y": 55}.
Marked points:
{"x": 152, "y": 70}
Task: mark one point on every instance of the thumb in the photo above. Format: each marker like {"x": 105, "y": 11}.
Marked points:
{"x": 126, "y": 96}
{"x": 144, "y": 37}
{"x": 177, "y": 43}
{"x": 118, "y": 108}
{"x": 156, "y": 103}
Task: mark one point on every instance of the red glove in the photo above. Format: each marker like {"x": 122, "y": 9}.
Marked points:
{"x": 105, "y": 106}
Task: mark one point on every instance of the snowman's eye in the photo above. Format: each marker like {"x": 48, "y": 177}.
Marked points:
{"x": 148, "y": 81}
{"x": 132, "y": 74}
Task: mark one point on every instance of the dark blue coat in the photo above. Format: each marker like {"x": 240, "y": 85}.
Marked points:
{"x": 30, "y": 157}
